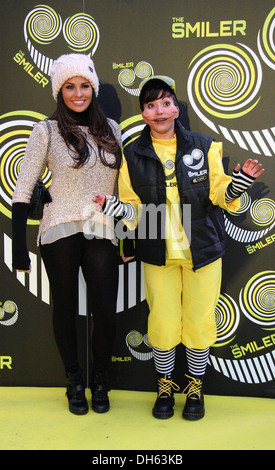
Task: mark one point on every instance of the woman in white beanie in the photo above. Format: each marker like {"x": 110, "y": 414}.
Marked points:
{"x": 82, "y": 149}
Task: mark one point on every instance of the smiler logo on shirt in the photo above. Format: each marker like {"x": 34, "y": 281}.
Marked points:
{"x": 195, "y": 161}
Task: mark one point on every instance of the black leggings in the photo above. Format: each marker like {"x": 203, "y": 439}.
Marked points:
{"x": 99, "y": 262}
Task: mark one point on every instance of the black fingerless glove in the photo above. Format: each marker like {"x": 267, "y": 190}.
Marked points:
{"x": 120, "y": 210}
{"x": 240, "y": 183}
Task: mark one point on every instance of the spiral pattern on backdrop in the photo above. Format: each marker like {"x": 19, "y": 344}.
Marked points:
{"x": 227, "y": 319}
{"x": 224, "y": 81}
{"x": 266, "y": 41}
{"x": 127, "y": 76}
{"x": 263, "y": 212}
{"x": 143, "y": 70}
{"x": 8, "y": 313}
{"x": 131, "y": 129}
{"x": 42, "y": 24}
{"x": 245, "y": 203}
{"x": 257, "y": 299}
{"x": 81, "y": 33}
{"x": 134, "y": 338}
{"x": 15, "y": 129}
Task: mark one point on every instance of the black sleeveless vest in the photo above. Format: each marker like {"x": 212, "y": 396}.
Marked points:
{"x": 208, "y": 237}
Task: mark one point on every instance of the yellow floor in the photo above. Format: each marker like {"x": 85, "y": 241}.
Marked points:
{"x": 38, "y": 418}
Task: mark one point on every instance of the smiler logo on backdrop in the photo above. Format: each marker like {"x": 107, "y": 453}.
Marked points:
{"x": 139, "y": 345}
{"x": 130, "y": 75}
{"x": 205, "y": 29}
{"x": 42, "y": 27}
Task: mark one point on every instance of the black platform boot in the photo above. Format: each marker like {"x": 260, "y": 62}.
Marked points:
{"x": 99, "y": 389}
{"x": 163, "y": 407}
{"x": 76, "y": 393}
{"x": 194, "y": 406}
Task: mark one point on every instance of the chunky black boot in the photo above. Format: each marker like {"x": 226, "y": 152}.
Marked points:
{"x": 76, "y": 394}
{"x": 99, "y": 389}
{"x": 163, "y": 407}
{"x": 194, "y": 406}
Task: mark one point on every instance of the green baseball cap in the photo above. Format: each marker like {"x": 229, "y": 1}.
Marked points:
{"x": 168, "y": 80}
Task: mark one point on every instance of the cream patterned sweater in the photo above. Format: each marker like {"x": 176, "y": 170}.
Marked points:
{"x": 72, "y": 190}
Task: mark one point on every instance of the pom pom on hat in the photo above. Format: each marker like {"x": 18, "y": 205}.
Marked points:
{"x": 73, "y": 65}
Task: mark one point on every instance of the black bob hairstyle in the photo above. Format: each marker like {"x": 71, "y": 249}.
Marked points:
{"x": 155, "y": 89}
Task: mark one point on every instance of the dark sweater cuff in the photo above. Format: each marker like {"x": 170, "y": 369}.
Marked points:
{"x": 20, "y": 255}
{"x": 129, "y": 247}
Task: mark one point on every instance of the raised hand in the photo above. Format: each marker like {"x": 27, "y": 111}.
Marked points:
{"x": 251, "y": 167}
{"x": 243, "y": 178}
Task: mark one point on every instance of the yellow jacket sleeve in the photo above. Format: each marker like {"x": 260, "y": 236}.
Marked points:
{"x": 219, "y": 180}
{"x": 126, "y": 192}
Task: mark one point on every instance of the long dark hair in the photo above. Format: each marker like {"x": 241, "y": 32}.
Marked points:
{"x": 99, "y": 128}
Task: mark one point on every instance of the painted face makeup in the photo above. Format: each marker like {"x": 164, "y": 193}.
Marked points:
{"x": 160, "y": 115}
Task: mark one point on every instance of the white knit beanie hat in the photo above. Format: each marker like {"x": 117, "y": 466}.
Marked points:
{"x": 73, "y": 65}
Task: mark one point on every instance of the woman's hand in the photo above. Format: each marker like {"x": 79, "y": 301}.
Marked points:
{"x": 242, "y": 179}
{"x": 99, "y": 201}
{"x": 126, "y": 258}
{"x": 251, "y": 167}
{"x": 112, "y": 206}
{"x": 28, "y": 271}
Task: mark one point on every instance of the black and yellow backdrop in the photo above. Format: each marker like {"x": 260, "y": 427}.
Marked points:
{"x": 222, "y": 56}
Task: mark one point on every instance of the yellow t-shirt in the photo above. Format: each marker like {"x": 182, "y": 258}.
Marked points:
{"x": 177, "y": 244}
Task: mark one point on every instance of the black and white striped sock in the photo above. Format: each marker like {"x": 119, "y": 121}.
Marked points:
{"x": 164, "y": 360}
{"x": 115, "y": 208}
{"x": 197, "y": 360}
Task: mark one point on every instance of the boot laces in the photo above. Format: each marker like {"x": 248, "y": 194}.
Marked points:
{"x": 166, "y": 386}
{"x": 193, "y": 388}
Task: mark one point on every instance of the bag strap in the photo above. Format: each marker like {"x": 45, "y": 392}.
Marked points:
{"x": 50, "y": 134}
{"x": 48, "y": 145}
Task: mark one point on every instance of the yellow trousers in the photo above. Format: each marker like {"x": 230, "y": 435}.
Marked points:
{"x": 182, "y": 303}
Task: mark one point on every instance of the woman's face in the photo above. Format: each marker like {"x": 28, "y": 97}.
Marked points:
{"x": 160, "y": 115}
{"x": 77, "y": 93}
